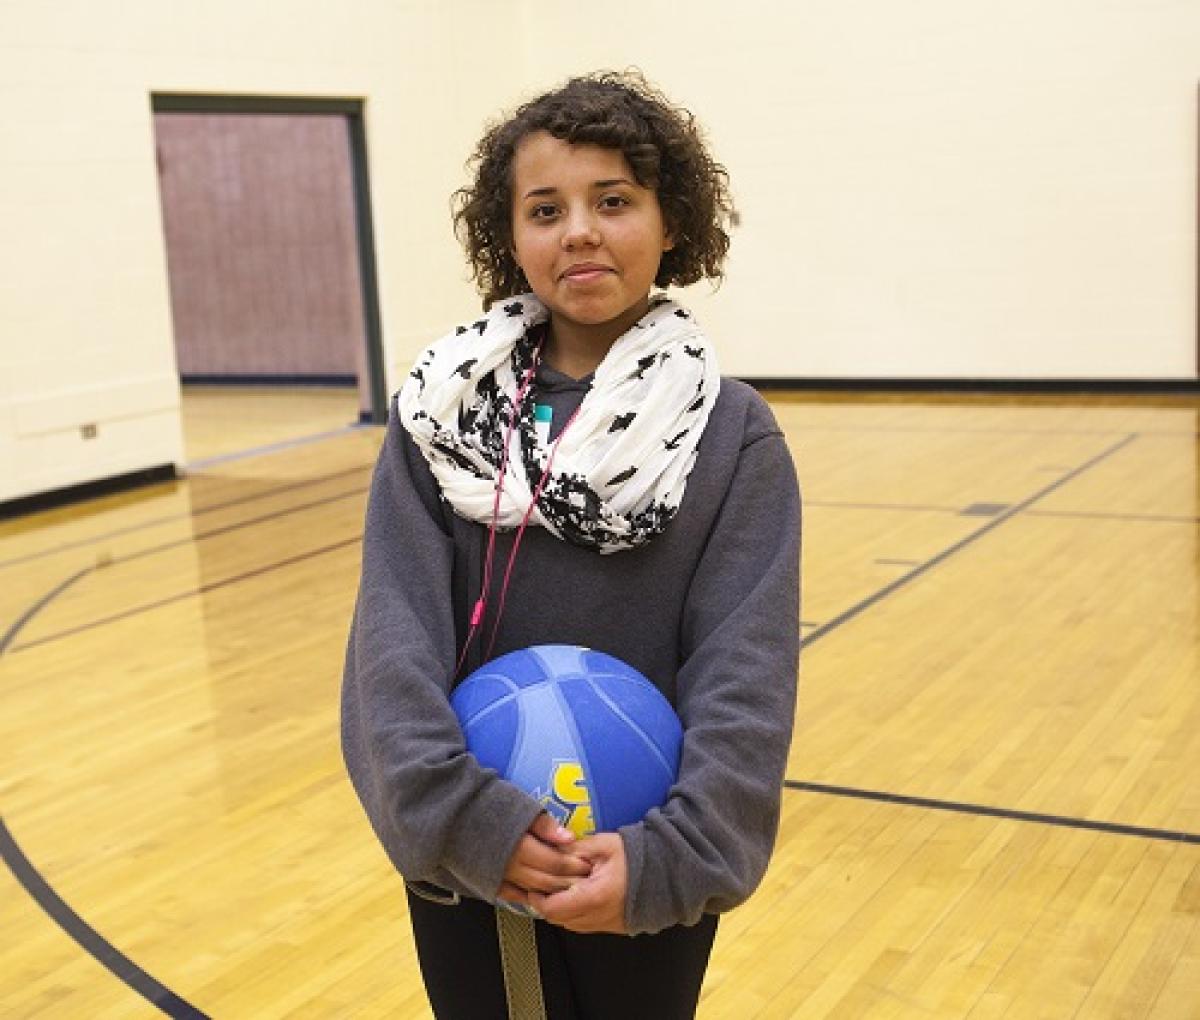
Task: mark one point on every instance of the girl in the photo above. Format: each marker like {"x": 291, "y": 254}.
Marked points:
{"x": 582, "y": 423}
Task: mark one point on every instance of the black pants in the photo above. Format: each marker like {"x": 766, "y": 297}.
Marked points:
{"x": 584, "y": 977}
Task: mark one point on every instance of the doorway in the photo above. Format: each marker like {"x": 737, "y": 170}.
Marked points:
{"x": 267, "y": 227}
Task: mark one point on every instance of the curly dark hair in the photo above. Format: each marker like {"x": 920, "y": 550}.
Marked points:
{"x": 661, "y": 142}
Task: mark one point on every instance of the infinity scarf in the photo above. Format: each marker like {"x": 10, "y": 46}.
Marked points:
{"x": 620, "y": 469}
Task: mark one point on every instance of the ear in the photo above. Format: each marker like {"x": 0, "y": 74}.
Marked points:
{"x": 668, "y": 232}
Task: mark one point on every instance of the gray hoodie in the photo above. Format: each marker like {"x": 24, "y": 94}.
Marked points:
{"x": 708, "y": 610}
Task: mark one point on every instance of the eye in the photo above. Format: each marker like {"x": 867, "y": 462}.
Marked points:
{"x": 613, "y": 202}
{"x": 543, "y": 211}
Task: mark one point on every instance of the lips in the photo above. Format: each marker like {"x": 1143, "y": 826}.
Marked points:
{"x": 585, "y": 272}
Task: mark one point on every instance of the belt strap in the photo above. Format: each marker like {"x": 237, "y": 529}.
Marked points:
{"x": 519, "y": 960}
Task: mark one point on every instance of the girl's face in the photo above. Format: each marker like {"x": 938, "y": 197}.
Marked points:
{"x": 588, "y": 236}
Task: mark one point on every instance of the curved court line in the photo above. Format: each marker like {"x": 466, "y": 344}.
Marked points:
{"x": 860, "y": 607}
{"x": 175, "y": 1006}
{"x": 10, "y": 635}
{"x": 195, "y": 512}
{"x": 103, "y": 951}
{"x": 180, "y": 596}
{"x": 54, "y": 905}
{"x": 1012, "y": 814}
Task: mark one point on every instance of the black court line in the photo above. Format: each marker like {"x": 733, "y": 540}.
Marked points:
{"x": 860, "y": 607}
{"x": 11, "y": 634}
{"x": 1099, "y": 515}
{"x": 191, "y": 593}
{"x": 849, "y": 505}
{"x": 155, "y": 522}
{"x": 960, "y": 807}
{"x": 926, "y": 507}
{"x": 204, "y": 463}
{"x": 249, "y": 523}
{"x": 54, "y": 905}
{"x": 103, "y": 951}
{"x": 936, "y": 430}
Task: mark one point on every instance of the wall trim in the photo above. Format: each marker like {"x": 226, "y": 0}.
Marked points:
{"x": 272, "y": 379}
{"x": 200, "y": 102}
{"x": 1066, "y": 387}
{"x": 55, "y": 498}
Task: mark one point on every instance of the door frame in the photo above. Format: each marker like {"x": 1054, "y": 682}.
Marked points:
{"x": 352, "y": 110}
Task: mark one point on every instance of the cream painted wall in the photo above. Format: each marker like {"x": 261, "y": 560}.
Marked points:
{"x": 943, "y": 188}
{"x": 85, "y": 334}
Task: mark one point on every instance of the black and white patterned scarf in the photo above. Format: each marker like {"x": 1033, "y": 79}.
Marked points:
{"x": 620, "y": 471}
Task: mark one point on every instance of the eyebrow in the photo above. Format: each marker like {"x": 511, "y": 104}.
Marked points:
{"x": 535, "y": 192}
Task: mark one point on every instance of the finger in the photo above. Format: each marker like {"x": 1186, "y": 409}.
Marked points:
{"x": 546, "y": 905}
{"x": 535, "y": 855}
{"x": 598, "y": 847}
{"x": 545, "y": 875}
{"x": 535, "y": 881}
{"x": 567, "y": 908}
{"x": 565, "y": 911}
{"x": 597, "y": 902}
{"x": 549, "y": 831}
{"x": 512, "y": 893}
{"x": 538, "y": 881}
{"x": 587, "y": 928}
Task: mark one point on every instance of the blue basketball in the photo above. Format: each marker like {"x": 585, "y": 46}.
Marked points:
{"x": 583, "y": 733}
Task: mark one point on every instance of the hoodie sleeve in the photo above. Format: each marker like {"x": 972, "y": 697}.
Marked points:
{"x": 707, "y": 849}
{"x": 441, "y": 817}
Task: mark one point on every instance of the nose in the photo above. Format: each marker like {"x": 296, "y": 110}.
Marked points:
{"x": 580, "y": 230}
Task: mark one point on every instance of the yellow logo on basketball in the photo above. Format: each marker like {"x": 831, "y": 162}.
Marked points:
{"x": 569, "y": 800}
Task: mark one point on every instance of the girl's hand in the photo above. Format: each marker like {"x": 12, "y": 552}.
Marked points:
{"x": 595, "y": 903}
{"x": 542, "y": 862}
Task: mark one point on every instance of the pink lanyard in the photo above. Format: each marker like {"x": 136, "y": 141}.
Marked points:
{"x": 480, "y": 608}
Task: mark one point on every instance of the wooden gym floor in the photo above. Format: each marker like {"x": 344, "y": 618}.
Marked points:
{"x": 993, "y": 806}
